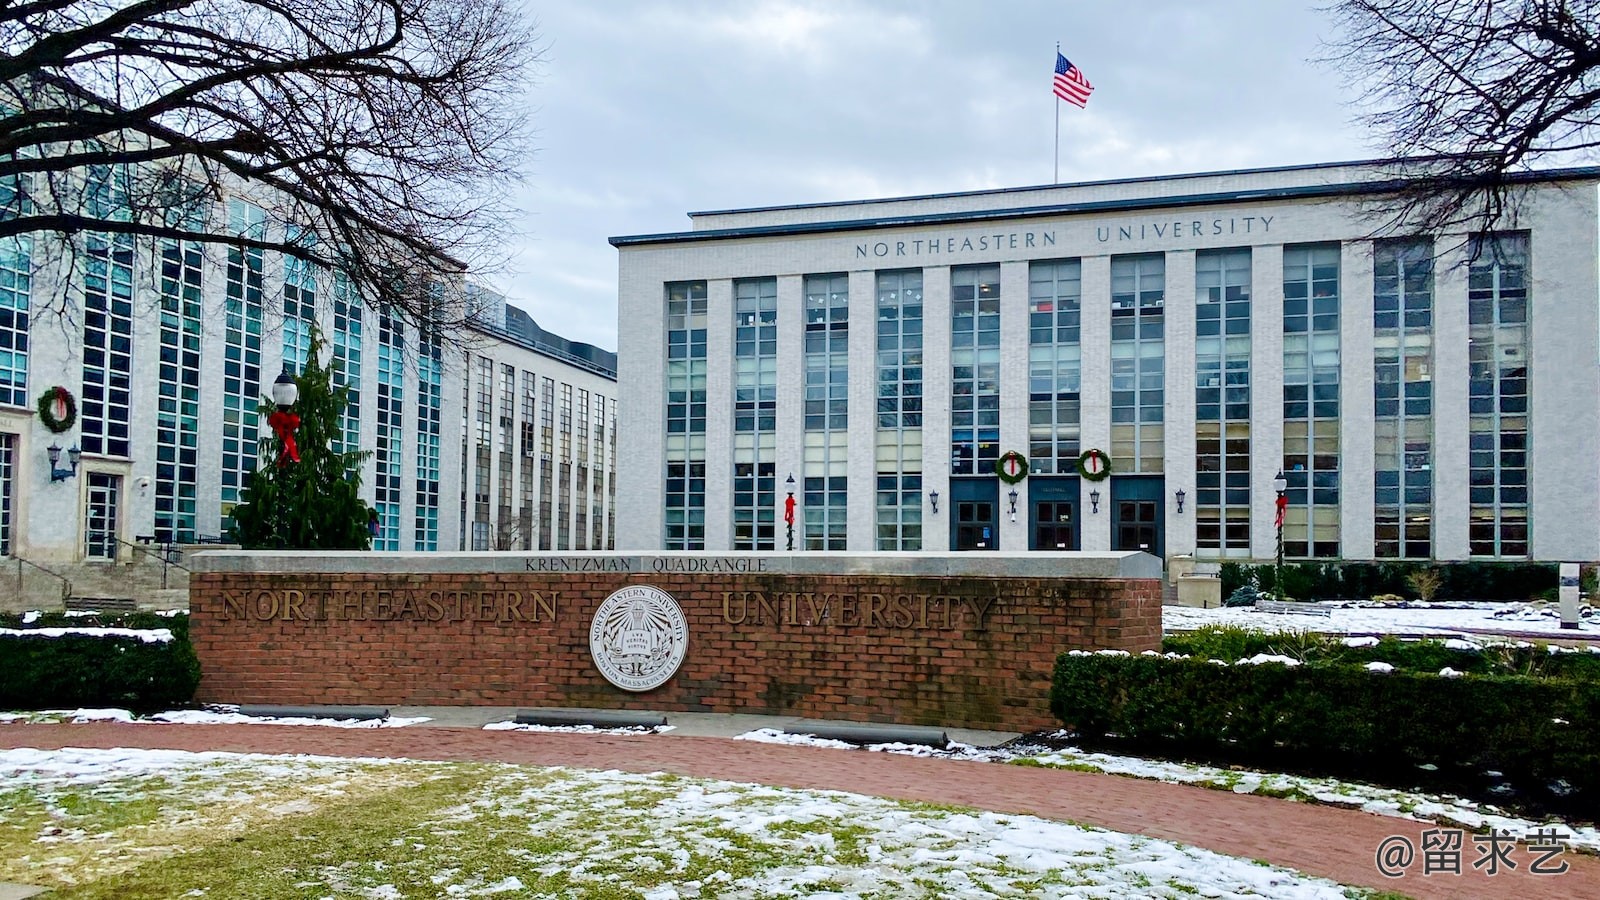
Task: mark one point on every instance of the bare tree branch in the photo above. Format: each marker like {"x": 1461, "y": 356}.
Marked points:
{"x": 387, "y": 127}
{"x": 1467, "y": 94}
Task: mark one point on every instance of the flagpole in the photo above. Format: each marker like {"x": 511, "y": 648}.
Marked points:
{"x": 1056, "y": 178}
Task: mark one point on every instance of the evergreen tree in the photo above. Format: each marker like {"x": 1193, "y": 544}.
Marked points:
{"x": 313, "y": 504}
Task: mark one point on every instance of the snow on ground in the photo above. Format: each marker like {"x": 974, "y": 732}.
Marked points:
{"x": 211, "y": 715}
{"x": 1416, "y": 805}
{"x": 669, "y": 837}
{"x": 1438, "y": 619}
{"x": 578, "y": 729}
{"x": 148, "y": 635}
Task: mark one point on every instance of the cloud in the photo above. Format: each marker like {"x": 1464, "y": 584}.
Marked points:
{"x": 648, "y": 110}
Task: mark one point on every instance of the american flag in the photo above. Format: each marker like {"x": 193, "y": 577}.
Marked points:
{"x": 1070, "y": 85}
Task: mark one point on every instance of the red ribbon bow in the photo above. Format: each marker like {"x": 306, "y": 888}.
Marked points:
{"x": 788, "y": 510}
{"x": 283, "y": 425}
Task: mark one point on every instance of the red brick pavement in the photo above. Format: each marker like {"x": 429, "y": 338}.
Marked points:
{"x": 1334, "y": 843}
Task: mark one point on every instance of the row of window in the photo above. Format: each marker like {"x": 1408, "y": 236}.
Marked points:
{"x": 519, "y": 466}
{"x": 1311, "y": 298}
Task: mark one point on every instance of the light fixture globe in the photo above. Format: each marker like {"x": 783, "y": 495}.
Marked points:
{"x": 284, "y": 391}
{"x": 1280, "y": 483}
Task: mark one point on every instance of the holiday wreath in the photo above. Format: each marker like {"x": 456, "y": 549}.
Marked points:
{"x": 58, "y": 409}
{"x": 1094, "y": 465}
{"x": 1012, "y": 467}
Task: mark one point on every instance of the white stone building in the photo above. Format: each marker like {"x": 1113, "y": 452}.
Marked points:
{"x": 166, "y": 352}
{"x": 1424, "y": 396}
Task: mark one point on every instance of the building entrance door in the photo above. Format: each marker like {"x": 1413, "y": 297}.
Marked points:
{"x": 100, "y": 519}
{"x": 1135, "y": 526}
{"x": 1053, "y": 523}
{"x": 974, "y": 504}
{"x": 1136, "y": 514}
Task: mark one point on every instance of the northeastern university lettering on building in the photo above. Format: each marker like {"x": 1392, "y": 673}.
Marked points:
{"x": 1119, "y": 365}
{"x": 1028, "y": 240}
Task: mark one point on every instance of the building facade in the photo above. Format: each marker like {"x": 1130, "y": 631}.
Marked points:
{"x": 164, "y": 352}
{"x": 538, "y": 439}
{"x": 1118, "y": 365}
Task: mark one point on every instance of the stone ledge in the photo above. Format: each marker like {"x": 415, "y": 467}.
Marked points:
{"x": 1078, "y": 564}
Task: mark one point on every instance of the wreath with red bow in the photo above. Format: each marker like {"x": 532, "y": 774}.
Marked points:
{"x": 52, "y": 400}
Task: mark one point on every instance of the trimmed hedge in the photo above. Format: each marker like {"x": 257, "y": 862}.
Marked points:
{"x": 1543, "y": 735}
{"x": 1424, "y": 656}
{"x": 1332, "y": 580}
{"x": 98, "y": 671}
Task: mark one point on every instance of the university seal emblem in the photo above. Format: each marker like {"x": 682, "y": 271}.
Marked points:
{"x": 638, "y": 638}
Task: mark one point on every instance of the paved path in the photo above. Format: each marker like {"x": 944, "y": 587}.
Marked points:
{"x": 1334, "y": 843}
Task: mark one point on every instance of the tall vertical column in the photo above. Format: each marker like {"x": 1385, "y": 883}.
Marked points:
{"x": 719, "y": 414}
{"x": 791, "y": 434}
{"x": 862, "y": 526}
{"x": 642, "y": 365}
{"x": 936, "y": 407}
{"x": 1014, "y": 352}
{"x": 1179, "y": 413}
{"x": 1266, "y": 395}
{"x": 1356, "y": 495}
{"x": 1451, "y": 509}
{"x": 1564, "y": 429}
{"x": 1096, "y": 393}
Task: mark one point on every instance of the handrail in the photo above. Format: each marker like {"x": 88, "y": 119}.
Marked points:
{"x": 66, "y": 585}
{"x": 166, "y": 552}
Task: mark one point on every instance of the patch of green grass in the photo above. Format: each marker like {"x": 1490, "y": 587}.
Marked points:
{"x": 97, "y": 812}
{"x": 1065, "y": 766}
{"x": 304, "y": 856}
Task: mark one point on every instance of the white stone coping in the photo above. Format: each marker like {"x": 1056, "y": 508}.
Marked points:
{"x": 1118, "y": 565}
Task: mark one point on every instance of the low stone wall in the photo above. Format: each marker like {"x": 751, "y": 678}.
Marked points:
{"x": 963, "y": 640}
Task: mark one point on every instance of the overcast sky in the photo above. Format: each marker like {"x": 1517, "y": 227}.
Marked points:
{"x": 646, "y": 110}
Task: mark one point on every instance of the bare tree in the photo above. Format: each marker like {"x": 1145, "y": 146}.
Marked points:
{"x": 1470, "y": 96}
{"x": 377, "y": 135}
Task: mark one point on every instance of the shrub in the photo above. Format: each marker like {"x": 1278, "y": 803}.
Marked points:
{"x": 1339, "y": 719}
{"x": 1243, "y": 595}
{"x": 1231, "y": 643}
{"x": 97, "y": 671}
{"x": 1336, "y": 580}
{"x": 1426, "y": 582}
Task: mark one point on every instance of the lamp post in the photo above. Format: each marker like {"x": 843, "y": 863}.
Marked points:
{"x": 284, "y": 422}
{"x": 284, "y": 391}
{"x": 1280, "y": 484}
{"x": 788, "y": 509}
{"x": 1013, "y": 496}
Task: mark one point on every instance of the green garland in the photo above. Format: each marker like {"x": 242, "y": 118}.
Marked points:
{"x": 47, "y": 411}
{"x": 1083, "y": 465}
{"x": 1022, "y": 467}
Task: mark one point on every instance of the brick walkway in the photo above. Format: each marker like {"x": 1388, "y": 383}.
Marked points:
{"x": 1334, "y": 843}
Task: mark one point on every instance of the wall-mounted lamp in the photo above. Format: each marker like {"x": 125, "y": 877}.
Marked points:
{"x": 933, "y": 498}
{"x": 1180, "y": 496}
{"x": 1013, "y": 496}
{"x": 1094, "y": 501}
{"x": 73, "y": 455}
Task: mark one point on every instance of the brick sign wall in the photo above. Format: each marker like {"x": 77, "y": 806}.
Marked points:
{"x": 962, "y": 651}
